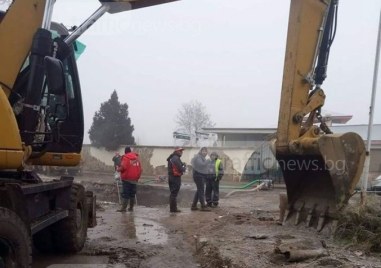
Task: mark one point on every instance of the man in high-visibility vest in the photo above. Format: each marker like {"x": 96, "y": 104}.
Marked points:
{"x": 216, "y": 171}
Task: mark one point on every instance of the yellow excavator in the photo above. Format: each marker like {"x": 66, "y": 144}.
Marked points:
{"x": 320, "y": 169}
{"x": 41, "y": 123}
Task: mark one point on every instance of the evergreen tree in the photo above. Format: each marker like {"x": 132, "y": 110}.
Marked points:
{"x": 111, "y": 125}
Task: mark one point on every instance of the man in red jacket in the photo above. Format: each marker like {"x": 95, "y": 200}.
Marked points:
{"x": 130, "y": 170}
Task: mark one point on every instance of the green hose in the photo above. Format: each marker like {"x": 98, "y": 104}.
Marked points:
{"x": 240, "y": 187}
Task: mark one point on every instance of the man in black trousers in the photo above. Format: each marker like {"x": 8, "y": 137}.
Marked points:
{"x": 176, "y": 169}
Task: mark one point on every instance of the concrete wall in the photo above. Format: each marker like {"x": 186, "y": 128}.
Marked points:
{"x": 235, "y": 160}
{"x": 154, "y": 158}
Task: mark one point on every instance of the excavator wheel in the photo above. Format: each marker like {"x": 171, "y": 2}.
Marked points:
{"x": 69, "y": 235}
{"x": 15, "y": 242}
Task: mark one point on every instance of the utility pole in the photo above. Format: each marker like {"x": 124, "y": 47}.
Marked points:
{"x": 364, "y": 184}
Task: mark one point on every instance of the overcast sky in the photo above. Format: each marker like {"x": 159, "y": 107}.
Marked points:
{"x": 227, "y": 54}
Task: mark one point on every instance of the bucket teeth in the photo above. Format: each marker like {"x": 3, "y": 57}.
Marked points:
{"x": 299, "y": 211}
{"x": 322, "y": 220}
{"x": 286, "y": 215}
{"x": 311, "y": 216}
{"x": 311, "y": 212}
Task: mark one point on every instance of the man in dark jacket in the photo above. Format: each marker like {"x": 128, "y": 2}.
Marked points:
{"x": 216, "y": 171}
{"x": 200, "y": 170}
{"x": 130, "y": 171}
{"x": 117, "y": 159}
{"x": 176, "y": 168}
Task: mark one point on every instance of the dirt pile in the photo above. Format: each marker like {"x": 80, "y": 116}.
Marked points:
{"x": 209, "y": 256}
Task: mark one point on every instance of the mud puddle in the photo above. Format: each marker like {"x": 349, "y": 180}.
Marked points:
{"x": 130, "y": 239}
{"x": 132, "y": 226}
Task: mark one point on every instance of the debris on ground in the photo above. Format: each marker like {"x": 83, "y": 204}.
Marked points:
{"x": 258, "y": 236}
{"x": 359, "y": 227}
{"x": 296, "y": 250}
{"x": 242, "y": 232}
{"x": 210, "y": 257}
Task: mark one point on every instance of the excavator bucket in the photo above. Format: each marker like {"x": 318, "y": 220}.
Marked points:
{"x": 320, "y": 170}
{"x": 320, "y": 183}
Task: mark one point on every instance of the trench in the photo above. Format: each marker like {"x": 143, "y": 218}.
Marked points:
{"x": 147, "y": 195}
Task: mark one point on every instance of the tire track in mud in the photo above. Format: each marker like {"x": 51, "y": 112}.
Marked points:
{"x": 128, "y": 239}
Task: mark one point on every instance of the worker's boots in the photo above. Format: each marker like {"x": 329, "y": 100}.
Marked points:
{"x": 123, "y": 206}
{"x": 205, "y": 208}
{"x": 132, "y": 203}
{"x": 173, "y": 206}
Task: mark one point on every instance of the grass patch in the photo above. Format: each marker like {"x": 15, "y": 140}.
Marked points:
{"x": 360, "y": 226}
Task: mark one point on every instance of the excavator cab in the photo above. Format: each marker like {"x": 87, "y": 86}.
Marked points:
{"x": 52, "y": 121}
{"x": 320, "y": 169}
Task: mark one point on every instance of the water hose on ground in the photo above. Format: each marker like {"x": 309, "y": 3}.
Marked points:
{"x": 245, "y": 186}
{"x": 260, "y": 186}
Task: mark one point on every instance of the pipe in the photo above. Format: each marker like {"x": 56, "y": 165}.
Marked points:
{"x": 48, "y": 12}
{"x": 260, "y": 186}
{"x": 87, "y": 24}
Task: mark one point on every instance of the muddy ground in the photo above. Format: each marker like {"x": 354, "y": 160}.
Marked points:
{"x": 242, "y": 232}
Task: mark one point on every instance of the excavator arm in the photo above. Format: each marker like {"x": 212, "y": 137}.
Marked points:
{"x": 320, "y": 169}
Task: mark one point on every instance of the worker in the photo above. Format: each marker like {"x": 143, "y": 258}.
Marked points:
{"x": 116, "y": 159}
{"x": 200, "y": 171}
{"x": 216, "y": 171}
{"x": 176, "y": 169}
{"x": 130, "y": 171}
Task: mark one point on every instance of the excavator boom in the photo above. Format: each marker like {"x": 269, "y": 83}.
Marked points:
{"x": 320, "y": 169}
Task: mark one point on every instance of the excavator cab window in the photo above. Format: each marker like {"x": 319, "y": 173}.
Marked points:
{"x": 56, "y": 103}
{"x": 60, "y": 123}
{"x": 55, "y": 75}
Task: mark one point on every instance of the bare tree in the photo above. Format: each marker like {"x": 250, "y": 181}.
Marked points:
{"x": 192, "y": 117}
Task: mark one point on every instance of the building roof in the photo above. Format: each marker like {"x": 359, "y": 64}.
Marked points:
{"x": 362, "y": 130}
{"x": 240, "y": 130}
